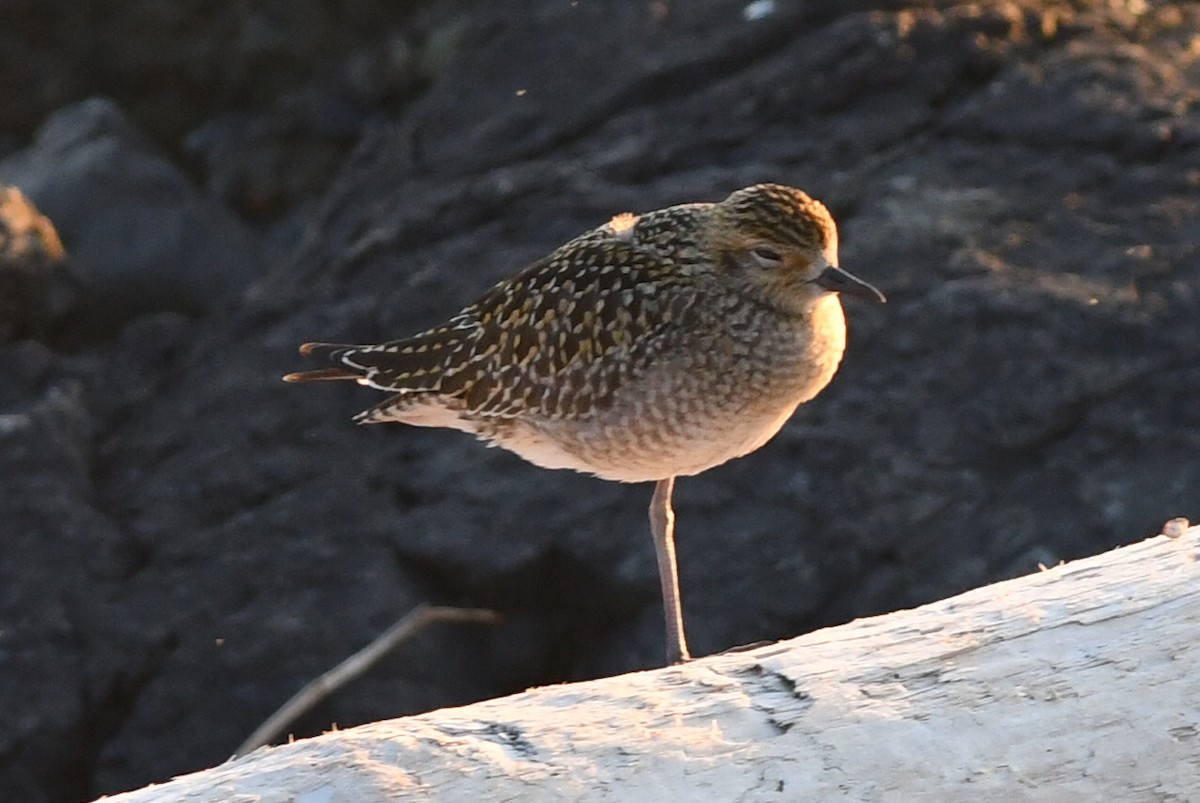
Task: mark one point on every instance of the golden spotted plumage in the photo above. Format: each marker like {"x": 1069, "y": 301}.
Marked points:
{"x": 654, "y": 346}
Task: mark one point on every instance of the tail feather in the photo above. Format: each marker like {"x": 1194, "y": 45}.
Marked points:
{"x": 320, "y": 374}
{"x": 412, "y": 369}
{"x": 329, "y": 351}
{"x": 325, "y": 349}
{"x": 413, "y": 365}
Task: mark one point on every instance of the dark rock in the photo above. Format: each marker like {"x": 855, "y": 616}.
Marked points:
{"x": 176, "y": 66}
{"x": 60, "y": 633}
{"x": 260, "y": 164}
{"x": 141, "y": 235}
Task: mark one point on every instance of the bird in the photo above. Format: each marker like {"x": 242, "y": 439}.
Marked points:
{"x": 655, "y": 346}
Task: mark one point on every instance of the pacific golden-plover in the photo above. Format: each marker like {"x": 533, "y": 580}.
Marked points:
{"x": 655, "y": 346}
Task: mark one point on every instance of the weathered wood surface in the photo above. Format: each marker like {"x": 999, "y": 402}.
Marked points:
{"x": 1077, "y": 683}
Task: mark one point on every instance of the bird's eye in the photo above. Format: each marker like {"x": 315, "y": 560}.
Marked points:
{"x": 767, "y": 256}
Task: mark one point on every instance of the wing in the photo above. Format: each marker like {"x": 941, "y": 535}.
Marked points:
{"x": 560, "y": 338}
{"x": 557, "y": 340}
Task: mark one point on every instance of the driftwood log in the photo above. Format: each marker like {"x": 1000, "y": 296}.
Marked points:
{"x": 1081, "y": 682}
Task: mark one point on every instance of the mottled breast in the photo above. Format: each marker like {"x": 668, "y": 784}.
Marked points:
{"x": 712, "y": 395}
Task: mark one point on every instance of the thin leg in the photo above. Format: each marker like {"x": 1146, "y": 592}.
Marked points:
{"x": 662, "y": 527}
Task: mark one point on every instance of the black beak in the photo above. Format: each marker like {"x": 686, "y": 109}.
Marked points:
{"x": 840, "y": 281}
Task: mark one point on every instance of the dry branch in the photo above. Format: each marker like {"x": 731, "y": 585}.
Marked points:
{"x": 353, "y": 667}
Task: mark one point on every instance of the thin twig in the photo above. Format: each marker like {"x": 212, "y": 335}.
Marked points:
{"x": 323, "y": 686}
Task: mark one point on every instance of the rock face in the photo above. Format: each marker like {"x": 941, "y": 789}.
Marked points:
{"x": 184, "y": 540}
{"x": 142, "y": 236}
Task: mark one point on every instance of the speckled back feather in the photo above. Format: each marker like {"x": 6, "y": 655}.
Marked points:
{"x": 556, "y": 340}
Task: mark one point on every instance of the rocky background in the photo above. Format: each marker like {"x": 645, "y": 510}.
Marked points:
{"x": 185, "y": 540}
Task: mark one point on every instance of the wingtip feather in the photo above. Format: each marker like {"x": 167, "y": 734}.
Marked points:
{"x": 307, "y": 349}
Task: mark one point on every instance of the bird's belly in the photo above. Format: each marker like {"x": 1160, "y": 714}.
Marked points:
{"x": 705, "y": 402}
{"x": 639, "y": 448}
{"x": 681, "y": 422}
{"x": 624, "y": 452}
{"x": 689, "y": 448}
